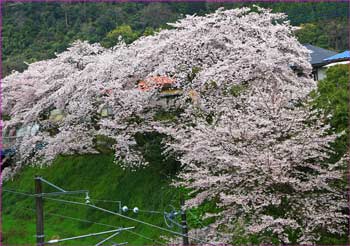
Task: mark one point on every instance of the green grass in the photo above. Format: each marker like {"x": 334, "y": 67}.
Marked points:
{"x": 147, "y": 189}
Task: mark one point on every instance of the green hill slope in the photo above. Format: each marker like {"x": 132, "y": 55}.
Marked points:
{"x": 148, "y": 189}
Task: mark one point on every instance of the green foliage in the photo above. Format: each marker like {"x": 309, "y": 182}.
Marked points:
{"x": 312, "y": 34}
{"x": 135, "y": 119}
{"x": 149, "y": 31}
{"x": 5, "y": 117}
{"x": 329, "y": 239}
{"x": 147, "y": 189}
{"x": 237, "y": 90}
{"x": 104, "y": 144}
{"x": 326, "y": 34}
{"x": 167, "y": 115}
{"x": 124, "y": 31}
{"x": 278, "y": 210}
{"x": 195, "y": 215}
{"x": 241, "y": 237}
{"x": 35, "y": 31}
{"x": 150, "y": 145}
{"x": 193, "y": 73}
{"x": 332, "y": 98}
{"x": 156, "y": 15}
{"x": 210, "y": 85}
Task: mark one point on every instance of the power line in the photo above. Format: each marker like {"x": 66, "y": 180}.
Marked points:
{"x": 119, "y": 202}
{"x": 89, "y": 221}
{"x": 143, "y": 236}
{"x": 19, "y": 192}
{"x": 101, "y": 200}
{"x": 91, "y": 200}
{"x": 105, "y": 210}
{"x": 97, "y": 223}
{"x": 73, "y": 218}
{"x": 81, "y": 198}
{"x": 150, "y": 211}
{"x": 108, "y": 238}
{"x": 126, "y": 217}
{"x": 116, "y": 231}
{"x": 51, "y": 184}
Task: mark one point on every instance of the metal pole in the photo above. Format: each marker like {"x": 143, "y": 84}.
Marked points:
{"x": 106, "y": 239}
{"x": 39, "y": 212}
{"x": 90, "y": 235}
{"x": 51, "y": 184}
{"x": 184, "y": 222}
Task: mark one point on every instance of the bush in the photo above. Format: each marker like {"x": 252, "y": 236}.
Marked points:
{"x": 331, "y": 97}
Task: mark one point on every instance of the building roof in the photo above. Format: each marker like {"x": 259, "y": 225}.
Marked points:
{"x": 319, "y": 54}
{"x": 156, "y": 81}
{"x": 341, "y": 56}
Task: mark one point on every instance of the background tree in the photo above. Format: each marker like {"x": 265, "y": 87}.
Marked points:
{"x": 38, "y": 30}
{"x": 156, "y": 15}
{"x": 312, "y": 34}
{"x": 124, "y": 32}
{"x": 327, "y": 34}
{"x": 331, "y": 98}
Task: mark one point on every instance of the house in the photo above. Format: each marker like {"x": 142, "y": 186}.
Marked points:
{"x": 161, "y": 82}
{"x": 341, "y": 58}
{"x": 167, "y": 88}
{"x": 318, "y": 56}
{"x": 322, "y": 59}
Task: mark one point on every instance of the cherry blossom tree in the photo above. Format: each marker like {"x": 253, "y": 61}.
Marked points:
{"x": 246, "y": 137}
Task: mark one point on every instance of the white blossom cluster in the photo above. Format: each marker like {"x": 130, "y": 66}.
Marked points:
{"x": 245, "y": 137}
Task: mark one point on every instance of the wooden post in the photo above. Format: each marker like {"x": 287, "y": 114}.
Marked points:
{"x": 39, "y": 212}
{"x": 184, "y": 222}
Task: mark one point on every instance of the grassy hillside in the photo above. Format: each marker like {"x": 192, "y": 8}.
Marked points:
{"x": 147, "y": 189}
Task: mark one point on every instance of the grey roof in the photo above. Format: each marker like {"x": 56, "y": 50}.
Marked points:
{"x": 318, "y": 54}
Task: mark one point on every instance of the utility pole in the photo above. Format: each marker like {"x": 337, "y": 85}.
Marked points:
{"x": 184, "y": 222}
{"x": 39, "y": 212}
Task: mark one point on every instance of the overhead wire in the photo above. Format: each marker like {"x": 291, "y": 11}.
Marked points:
{"x": 119, "y": 202}
{"x": 83, "y": 220}
{"x": 105, "y": 210}
{"x": 150, "y": 211}
{"x": 145, "y": 237}
{"x": 127, "y": 217}
{"x": 19, "y": 192}
{"x": 82, "y": 198}
{"x": 74, "y": 218}
{"x": 97, "y": 223}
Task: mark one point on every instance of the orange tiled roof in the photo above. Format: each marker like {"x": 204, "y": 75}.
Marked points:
{"x": 156, "y": 81}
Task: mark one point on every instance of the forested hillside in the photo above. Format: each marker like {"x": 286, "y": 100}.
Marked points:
{"x": 35, "y": 31}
